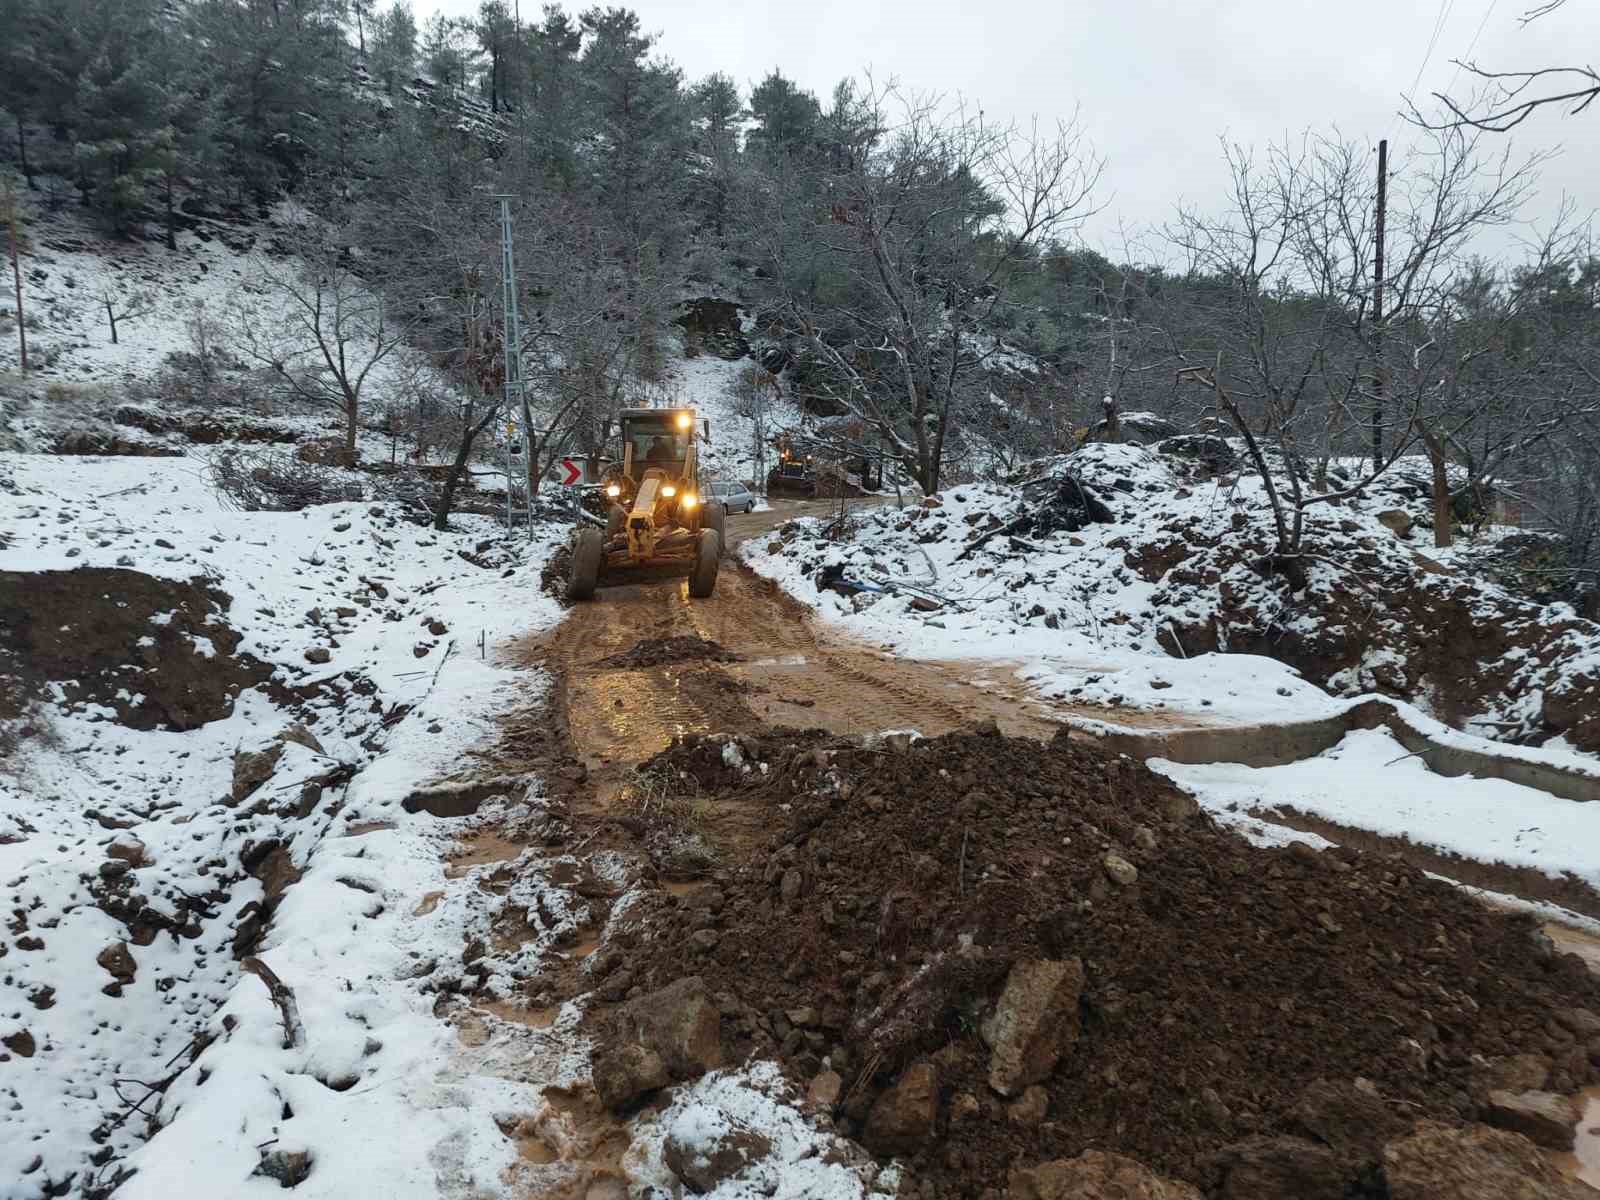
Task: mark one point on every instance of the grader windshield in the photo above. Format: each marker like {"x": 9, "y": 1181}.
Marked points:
{"x": 658, "y": 438}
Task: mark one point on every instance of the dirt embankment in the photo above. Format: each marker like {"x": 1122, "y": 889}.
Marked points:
{"x": 865, "y": 912}
{"x": 159, "y": 652}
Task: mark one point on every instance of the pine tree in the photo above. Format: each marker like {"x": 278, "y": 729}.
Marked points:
{"x": 786, "y": 118}
{"x": 394, "y": 47}
{"x": 719, "y": 122}
{"x": 20, "y": 93}
{"x": 553, "y": 100}
{"x": 638, "y": 115}
{"x": 119, "y": 116}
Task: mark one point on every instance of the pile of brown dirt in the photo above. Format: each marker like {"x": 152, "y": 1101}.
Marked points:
{"x": 93, "y": 631}
{"x": 871, "y": 902}
{"x": 658, "y": 652}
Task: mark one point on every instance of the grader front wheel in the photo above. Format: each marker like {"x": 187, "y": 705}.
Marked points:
{"x": 586, "y": 551}
{"x": 703, "y": 575}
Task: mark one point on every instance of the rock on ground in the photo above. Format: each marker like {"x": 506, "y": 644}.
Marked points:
{"x": 1349, "y": 1120}
{"x": 704, "y": 1162}
{"x": 1542, "y": 1117}
{"x": 1034, "y": 1023}
{"x": 667, "y": 1036}
{"x": 252, "y": 768}
{"x": 902, "y": 1119}
{"x": 1438, "y": 1162}
{"x": 1275, "y": 1168}
{"x": 1095, "y": 1175}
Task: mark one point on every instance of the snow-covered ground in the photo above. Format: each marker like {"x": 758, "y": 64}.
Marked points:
{"x": 1370, "y": 781}
{"x": 1119, "y": 613}
{"x": 115, "y": 963}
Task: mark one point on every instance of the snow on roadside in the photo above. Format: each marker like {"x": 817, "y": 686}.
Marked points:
{"x": 113, "y": 837}
{"x": 1165, "y": 607}
{"x": 1369, "y": 781}
{"x": 1058, "y": 616}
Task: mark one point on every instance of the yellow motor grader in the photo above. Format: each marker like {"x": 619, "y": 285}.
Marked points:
{"x": 656, "y": 511}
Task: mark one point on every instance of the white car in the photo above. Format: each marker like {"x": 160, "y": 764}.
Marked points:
{"x": 735, "y": 496}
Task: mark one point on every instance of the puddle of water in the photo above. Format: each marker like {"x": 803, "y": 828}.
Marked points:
{"x": 687, "y": 888}
{"x": 532, "y": 1149}
{"x": 482, "y": 848}
{"x": 585, "y": 948}
{"x": 1583, "y": 1164}
{"x": 788, "y": 660}
{"x": 512, "y": 1014}
{"x": 428, "y": 904}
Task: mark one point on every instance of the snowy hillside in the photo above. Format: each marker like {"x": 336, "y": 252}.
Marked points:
{"x": 154, "y": 810}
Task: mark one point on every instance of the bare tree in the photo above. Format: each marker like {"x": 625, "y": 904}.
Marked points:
{"x": 1291, "y": 328}
{"x": 321, "y": 330}
{"x": 123, "y": 305}
{"x": 892, "y": 269}
{"x": 1505, "y": 99}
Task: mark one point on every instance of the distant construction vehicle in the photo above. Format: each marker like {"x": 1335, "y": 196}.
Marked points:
{"x": 653, "y": 505}
{"x": 794, "y": 475}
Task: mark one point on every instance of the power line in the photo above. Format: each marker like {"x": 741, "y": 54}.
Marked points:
{"x": 1467, "y": 57}
{"x": 1439, "y": 22}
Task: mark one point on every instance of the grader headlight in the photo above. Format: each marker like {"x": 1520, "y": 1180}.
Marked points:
{"x": 690, "y": 500}
{"x": 685, "y": 420}
{"x": 614, "y": 490}
{"x": 669, "y": 491}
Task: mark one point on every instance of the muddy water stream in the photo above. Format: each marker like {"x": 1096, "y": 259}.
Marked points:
{"x": 1584, "y": 1161}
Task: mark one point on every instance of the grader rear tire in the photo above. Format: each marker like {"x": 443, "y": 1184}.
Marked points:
{"x": 585, "y": 564}
{"x": 703, "y": 575}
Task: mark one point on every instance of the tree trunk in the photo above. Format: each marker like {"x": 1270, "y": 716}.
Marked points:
{"x": 447, "y": 497}
{"x": 172, "y": 237}
{"x": 350, "y": 420}
{"x": 1443, "y": 511}
{"x": 22, "y": 148}
{"x": 16, "y": 275}
{"x": 111, "y": 319}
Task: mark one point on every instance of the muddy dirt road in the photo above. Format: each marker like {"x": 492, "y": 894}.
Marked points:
{"x": 785, "y": 670}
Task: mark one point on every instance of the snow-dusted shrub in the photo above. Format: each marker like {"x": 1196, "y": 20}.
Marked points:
{"x": 271, "y": 480}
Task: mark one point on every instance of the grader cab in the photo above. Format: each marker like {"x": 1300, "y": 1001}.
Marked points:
{"x": 657, "y": 514}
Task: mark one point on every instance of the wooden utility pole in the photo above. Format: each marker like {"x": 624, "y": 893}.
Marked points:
{"x": 1381, "y": 376}
{"x": 14, "y": 228}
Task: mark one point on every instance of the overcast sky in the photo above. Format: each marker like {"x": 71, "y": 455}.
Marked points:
{"x": 1156, "y": 83}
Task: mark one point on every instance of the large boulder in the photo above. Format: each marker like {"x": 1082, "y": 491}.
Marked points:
{"x": 1438, "y": 1162}
{"x": 1397, "y": 520}
{"x": 1137, "y": 428}
{"x": 903, "y": 1117}
{"x": 1034, "y": 1023}
{"x": 1275, "y": 1168}
{"x": 667, "y": 1036}
{"x": 1095, "y": 1175}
